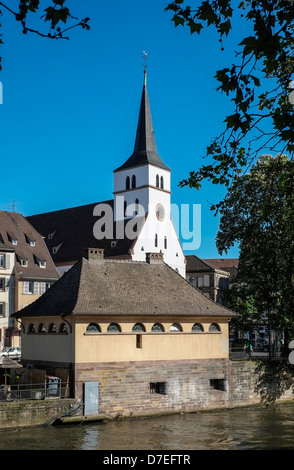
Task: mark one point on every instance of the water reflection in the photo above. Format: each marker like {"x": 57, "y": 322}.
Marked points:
{"x": 239, "y": 429}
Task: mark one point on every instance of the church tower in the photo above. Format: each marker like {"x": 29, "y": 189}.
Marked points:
{"x": 142, "y": 190}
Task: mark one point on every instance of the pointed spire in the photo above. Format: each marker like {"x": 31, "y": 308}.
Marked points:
{"x": 145, "y": 150}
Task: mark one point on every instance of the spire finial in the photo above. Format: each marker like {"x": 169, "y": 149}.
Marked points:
{"x": 145, "y": 67}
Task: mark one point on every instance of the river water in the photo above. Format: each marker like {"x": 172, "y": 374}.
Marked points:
{"x": 252, "y": 428}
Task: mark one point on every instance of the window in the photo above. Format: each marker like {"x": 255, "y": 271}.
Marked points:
{"x": 30, "y": 241}
{"x": 52, "y": 328}
{"x": 113, "y": 328}
{"x": 30, "y": 287}
{"x": 125, "y": 208}
{"x": 12, "y": 239}
{"x": 157, "y": 181}
{"x": 206, "y": 280}
{"x": 31, "y": 328}
{"x": 156, "y": 240}
{"x": 139, "y": 341}
{"x": 41, "y": 328}
{"x": 4, "y": 261}
{"x": 175, "y": 327}
{"x": 133, "y": 181}
{"x": 2, "y": 283}
{"x": 200, "y": 281}
{"x": 214, "y": 327}
{"x": 158, "y": 387}
{"x": 93, "y": 328}
{"x": 40, "y": 262}
{"x": 161, "y": 182}
{"x": 63, "y": 328}
{"x": 127, "y": 182}
{"x": 138, "y": 327}
{"x": 24, "y": 262}
{"x": 218, "y": 384}
{"x": 136, "y": 207}
{"x": 165, "y": 242}
{"x": 197, "y": 327}
{"x": 2, "y": 309}
{"x": 157, "y": 327}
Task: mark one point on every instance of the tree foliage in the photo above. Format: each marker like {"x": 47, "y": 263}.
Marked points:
{"x": 56, "y": 14}
{"x": 257, "y": 82}
{"x": 258, "y": 214}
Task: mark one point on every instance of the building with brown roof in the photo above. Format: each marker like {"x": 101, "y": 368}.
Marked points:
{"x": 139, "y": 329}
{"x": 26, "y": 270}
{"x": 211, "y": 276}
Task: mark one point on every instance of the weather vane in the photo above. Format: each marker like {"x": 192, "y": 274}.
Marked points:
{"x": 145, "y": 59}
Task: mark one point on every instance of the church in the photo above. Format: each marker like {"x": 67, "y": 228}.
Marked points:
{"x": 137, "y": 221}
{"x": 122, "y": 323}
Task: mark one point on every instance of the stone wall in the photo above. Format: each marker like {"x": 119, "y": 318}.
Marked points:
{"x": 182, "y": 386}
{"x": 28, "y": 413}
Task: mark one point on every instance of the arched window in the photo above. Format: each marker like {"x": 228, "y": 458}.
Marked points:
{"x": 52, "y": 328}
{"x": 136, "y": 206}
{"x": 41, "y": 328}
{"x": 133, "y": 181}
{"x": 125, "y": 208}
{"x": 165, "y": 242}
{"x": 157, "y": 327}
{"x": 93, "y": 328}
{"x": 138, "y": 327}
{"x": 197, "y": 327}
{"x": 214, "y": 327}
{"x": 161, "y": 182}
{"x": 113, "y": 328}
{"x": 127, "y": 182}
{"x": 175, "y": 327}
{"x": 156, "y": 240}
{"x": 31, "y": 328}
{"x": 157, "y": 181}
{"x": 63, "y": 328}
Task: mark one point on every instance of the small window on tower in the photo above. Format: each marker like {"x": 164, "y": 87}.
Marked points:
{"x": 156, "y": 240}
{"x": 133, "y": 181}
{"x": 161, "y": 182}
{"x": 127, "y": 182}
{"x": 157, "y": 181}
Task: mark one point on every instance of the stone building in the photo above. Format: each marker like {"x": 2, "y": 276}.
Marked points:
{"x": 148, "y": 339}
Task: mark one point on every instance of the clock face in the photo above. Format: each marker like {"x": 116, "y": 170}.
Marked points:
{"x": 160, "y": 212}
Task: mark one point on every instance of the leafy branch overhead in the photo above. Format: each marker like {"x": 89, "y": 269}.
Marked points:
{"x": 257, "y": 83}
{"x": 56, "y": 14}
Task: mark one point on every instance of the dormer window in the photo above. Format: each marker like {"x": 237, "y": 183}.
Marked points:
{"x": 30, "y": 241}
{"x": 40, "y": 262}
{"x": 24, "y": 262}
{"x": 12, "y": 239}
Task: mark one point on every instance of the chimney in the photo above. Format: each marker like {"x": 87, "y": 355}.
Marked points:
{"x": 94, "y": 254}
{"x": 154, "y": 258}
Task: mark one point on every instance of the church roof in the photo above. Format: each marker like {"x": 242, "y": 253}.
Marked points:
{"x": 68, "y": 232}
{"x": 145, "y": 151}
{"x": 113, "y": 287}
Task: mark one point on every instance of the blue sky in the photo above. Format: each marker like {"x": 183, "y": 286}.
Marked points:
{"x": 70, "y": 108}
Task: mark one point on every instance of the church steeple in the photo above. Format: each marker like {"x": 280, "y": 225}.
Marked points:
{"x": 145, "y": 151}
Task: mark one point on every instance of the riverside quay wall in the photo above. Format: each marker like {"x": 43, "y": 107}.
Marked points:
{"x": 150, "y": 388}
{"x": 155, "y": 388}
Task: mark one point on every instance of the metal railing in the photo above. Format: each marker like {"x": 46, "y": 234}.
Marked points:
{"x": 34, "y": 391}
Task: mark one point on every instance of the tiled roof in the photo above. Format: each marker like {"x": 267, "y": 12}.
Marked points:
{"x": 113, "y": 287}
{"x": 68, "y": 232}
{"x": 14, "y": 226}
